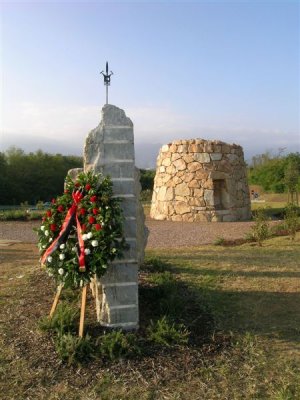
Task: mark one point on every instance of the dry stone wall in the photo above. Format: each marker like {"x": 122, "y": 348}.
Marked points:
{"x": 200, "y": 180}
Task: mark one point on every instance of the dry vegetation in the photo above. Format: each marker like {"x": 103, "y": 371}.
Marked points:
{"x": 244, "y": 340}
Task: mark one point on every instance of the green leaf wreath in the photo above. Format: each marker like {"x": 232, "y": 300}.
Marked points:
{"x": 100, "y": 230}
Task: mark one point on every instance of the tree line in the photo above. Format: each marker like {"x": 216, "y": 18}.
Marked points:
{"x": 275, "y": 173}
{"x": 33, "y": 177}
{"x": 39, "y": 176}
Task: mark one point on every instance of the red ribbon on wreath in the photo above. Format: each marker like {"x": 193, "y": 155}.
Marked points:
{"x": 65, "y": 230}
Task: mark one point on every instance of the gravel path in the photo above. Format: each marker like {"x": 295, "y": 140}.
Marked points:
{"x": 162, "y": 234}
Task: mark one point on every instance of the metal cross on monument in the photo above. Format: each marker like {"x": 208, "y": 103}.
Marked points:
{"x": 106, "y": 77}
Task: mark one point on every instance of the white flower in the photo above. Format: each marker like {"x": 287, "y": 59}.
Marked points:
{"x": 113, "y": 250}
{"x": 87, "y": 251}
{"x": 104, "y": 266}
{"x": 62, "y": 246}
{"x": 49, "y": 259}
{"x": 106, "y": 207}
{"x": 89, "y": 235}
{"x": 42, "y": 228}
{"x": 44, "y": 246}
{"x": 94, "y": 243}
{"x": 84, "y": 236}
{"x": 62, "y": 256}
{"x": 61, "y": 271}
{"x": 46, "y": 233}
{"x": 50, "y": 273}
{"x": 50, "y": 240}
{"x": 74, "y": 249}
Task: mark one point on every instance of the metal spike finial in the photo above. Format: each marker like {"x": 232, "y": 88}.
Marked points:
{"x": 106, "y": 77}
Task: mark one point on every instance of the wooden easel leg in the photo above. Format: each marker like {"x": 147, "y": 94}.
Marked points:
{"x": 82, "y": 311}
{"x": 56, "y": 298}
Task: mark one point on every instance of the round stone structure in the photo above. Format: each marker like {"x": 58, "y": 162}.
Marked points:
{"x": 201, "y": 180}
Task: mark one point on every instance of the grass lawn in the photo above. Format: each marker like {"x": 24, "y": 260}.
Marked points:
{"x": 241, "y": 305}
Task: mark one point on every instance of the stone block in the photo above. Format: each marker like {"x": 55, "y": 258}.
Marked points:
{"x": 166, "y": 162}
{"x": 118, "y": 151}
{"x": 121, "y": 295}
{"x": 182, "y": 189}
{"x": 118, "y": 170}
{"x": 202, "y": 157}
{"x": 181, "y": 207}
{"x": 216, "y": 156}
{"x": 161, "y": 194}
{"x": 123, "y": 186}
{"x": 117, "y": 133}
{"x": 130, "y": 228}
{"x": 194, "y": 166}
{"x": 124, "y": 317}
{"x": 120, "y": 273}
{"x": 209, "y": 197}
{"x": 179, "y": 165}
{"x": 129, "y": 205}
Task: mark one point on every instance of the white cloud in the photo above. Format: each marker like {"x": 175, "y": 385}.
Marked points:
{"x": 68, "y": 125}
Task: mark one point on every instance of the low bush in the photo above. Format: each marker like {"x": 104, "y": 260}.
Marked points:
{"x": 63, "y": 320}
{"x": 166, "y": 333}
{"x": 291, "y": 220}
{"x": 261, "y": 229}
{"x": 73, "y": 349}
{"x": 219, "y": 241}
{"x": 117, "y": 344}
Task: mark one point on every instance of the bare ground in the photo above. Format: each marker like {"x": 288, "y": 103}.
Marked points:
{"x": 162, "y": 234}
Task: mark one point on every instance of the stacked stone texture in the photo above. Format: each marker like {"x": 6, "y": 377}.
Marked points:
{"x": 109, "y": 149}
{"x": 200, "y": 180}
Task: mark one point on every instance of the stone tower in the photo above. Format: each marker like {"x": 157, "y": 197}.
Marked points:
{"x": 201, "y": 180}
{"x": 109, "y": 149}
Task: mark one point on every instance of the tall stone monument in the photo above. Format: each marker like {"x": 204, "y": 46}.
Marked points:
{"x": 109, "y": 149}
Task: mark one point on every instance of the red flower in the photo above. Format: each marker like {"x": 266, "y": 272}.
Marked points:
{"x": 53, "y": 227}
{"x": 98, "y": 227}
{"x": 95, "y": 211}
{"x": 93, "y": 199}
{"x": 66, "y": 191}
{"x": 82, "y": 211}
{"x": 92, "y": 220}
{"x": 87, "y": 186}
{"x": 53, "y": 201}
{"x": 60, "y": 208}
{"x": 48, "y": 213}
{"x": 77, "y": 184}
{"x": 83, "y": 227}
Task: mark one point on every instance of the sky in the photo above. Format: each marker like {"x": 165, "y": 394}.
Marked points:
{"x": 225, "y": 70}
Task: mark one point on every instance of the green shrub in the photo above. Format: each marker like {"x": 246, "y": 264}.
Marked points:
{"x": 166, "y": 333}
{"x": 73, "y": 349}
{"x": 117, "y": 344}
{"x": 63, "y": 320}
{"x": 219, "y": 241}
{"x": 13, "y": 215}
{"x": 291, "y": 221}
{"x": 260, "y": 230}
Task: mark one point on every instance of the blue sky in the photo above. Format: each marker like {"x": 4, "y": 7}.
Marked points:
{"x": 216, "y": 70}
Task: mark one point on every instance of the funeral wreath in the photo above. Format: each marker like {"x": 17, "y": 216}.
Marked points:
{"x": 82, "y": 231}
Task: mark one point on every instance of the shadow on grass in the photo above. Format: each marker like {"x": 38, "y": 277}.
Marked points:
{"x": 275, "y": 314}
